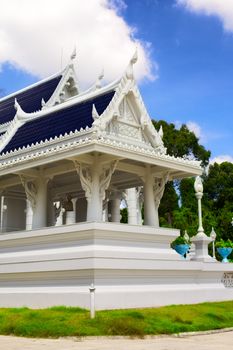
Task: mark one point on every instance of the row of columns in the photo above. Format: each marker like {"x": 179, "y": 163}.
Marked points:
{"x": 95, "y": 180}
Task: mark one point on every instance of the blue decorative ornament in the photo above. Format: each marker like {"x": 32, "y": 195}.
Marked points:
{"x": 224, "y": 252}
{"x": 181, "y": 249}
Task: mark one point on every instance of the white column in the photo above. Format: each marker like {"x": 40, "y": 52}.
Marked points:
{"x": 71, "y": 215}
{"x": 59, "y": 215}
{"x": 40, "y": 208}
{"x": 131, "y": 198}
{"x": 29, "y": 215}
{"x": 115, "y": 208}
{"x": 106, "y": 215}
{"x": 2, "y": 213}
{"x": 74, "y": 202}
{"x": 151, "y": 217}
{"x": 139, "y": 205}
{"x": 94, "y": 202}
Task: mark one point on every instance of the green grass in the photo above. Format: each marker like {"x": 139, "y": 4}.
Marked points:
{"x": 64, "y": 321}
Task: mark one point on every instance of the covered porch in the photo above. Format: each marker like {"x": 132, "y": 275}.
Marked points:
{"x": 87, "y": 187}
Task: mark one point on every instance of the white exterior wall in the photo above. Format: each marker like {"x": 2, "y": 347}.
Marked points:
{"x": 130, "y": 266}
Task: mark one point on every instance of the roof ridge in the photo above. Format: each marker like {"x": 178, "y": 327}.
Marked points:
{"x": 21, "y": 118}
{"x": 75, "y": 100}
{"x": 32, "y": 85}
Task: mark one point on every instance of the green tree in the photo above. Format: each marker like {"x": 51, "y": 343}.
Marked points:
{"x": 181, "y": 142}
{"x": 178, "y": 207}
{"x": 218, "y": 197}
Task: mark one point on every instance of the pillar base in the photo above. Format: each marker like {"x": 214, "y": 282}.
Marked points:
{"x": 201, "y": 242}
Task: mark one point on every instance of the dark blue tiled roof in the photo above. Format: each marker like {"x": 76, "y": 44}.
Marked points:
{"x": 29, "y": 100}
{"x": 58, "y": 123}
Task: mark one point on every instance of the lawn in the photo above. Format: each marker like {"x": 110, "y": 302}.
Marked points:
{"x": 61, "y": 321}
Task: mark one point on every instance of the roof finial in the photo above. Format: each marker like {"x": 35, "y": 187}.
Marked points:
{"x": 73, "y": 55}
{"x": 18, "y": 109}
{"x": 43, "y": 103}
{"x": 161, "y": 131}
{"x": 98, "y": 84}
{"x": 129, "y": 70}
{"x": 95, "y": 114}
{"x": 16, "y": 104}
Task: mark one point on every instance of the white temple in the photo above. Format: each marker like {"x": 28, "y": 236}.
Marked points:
{"x": 67, "y": 160}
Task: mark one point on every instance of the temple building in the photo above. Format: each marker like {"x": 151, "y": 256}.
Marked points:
{"x": 68, "y": 158}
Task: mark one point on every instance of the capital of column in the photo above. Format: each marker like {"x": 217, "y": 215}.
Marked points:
{"x": 102, "y": 174}
{"x": 36, "y": 193}
{"x": 85, "y": 175}
{"x": 31, "y": 189}
{"x": 159, "y": 187}
{"x": 95, "y": 180}
{"x": 105, "y": 177}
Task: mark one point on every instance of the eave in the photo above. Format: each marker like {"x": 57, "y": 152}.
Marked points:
{"x": 87, "y": 142}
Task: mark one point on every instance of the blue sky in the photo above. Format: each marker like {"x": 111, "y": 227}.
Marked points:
{"x": 195, "y": 57}
{"x": 192, "y": 49}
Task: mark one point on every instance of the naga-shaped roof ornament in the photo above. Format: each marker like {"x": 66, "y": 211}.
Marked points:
{"x": 18, "y": 108}
{"x": 129, "y": 70}
{"x": 95, "y": 114}
{"x": 43, "y": 103}
{"x": 161, "y": 132}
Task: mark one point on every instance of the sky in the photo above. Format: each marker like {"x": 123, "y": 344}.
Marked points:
{"x": 185, "y": 49}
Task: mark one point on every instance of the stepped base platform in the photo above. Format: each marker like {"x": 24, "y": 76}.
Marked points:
{"x": 129, "y": 266}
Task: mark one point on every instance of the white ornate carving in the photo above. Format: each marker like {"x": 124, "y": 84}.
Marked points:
{"x": 129, "y": 70}
{"x": 95, "y": 114}
{"x": 139, "y": 194}
{"x": 105, "y": 177}
{"x": 227, "y": 279}
{"x": 78, "y": 138}
{"x": 129, "y": 131}
{"x": 158, "y": 188}
{"x": 85, "y": 176}
{"x": 57, "y": 209}
{"x": 125, "y": 111}
{"x": 68, "y": 85}
{"x": 198, "y": 186}
{"x": 30, "y": 190}
{"x": 161, "y": 132}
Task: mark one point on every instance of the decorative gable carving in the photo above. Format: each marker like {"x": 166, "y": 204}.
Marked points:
{"x": 126, "y": 116}
{"x": 67, "y": 88}
{"x": 126, "y": 112}
{"x": 126, "y": 123}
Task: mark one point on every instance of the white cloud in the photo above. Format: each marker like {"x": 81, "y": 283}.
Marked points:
{"x": 195, "y": 128}
{"x": 34, "y": 33}
{"x": 222, "y": 158}
{"x": 220, "y": 8}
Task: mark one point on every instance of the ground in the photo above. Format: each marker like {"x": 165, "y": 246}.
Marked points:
{"x": 214, "y": 341}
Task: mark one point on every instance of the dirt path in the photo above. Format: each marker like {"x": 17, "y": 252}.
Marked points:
{"x": 218, "y": 341}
